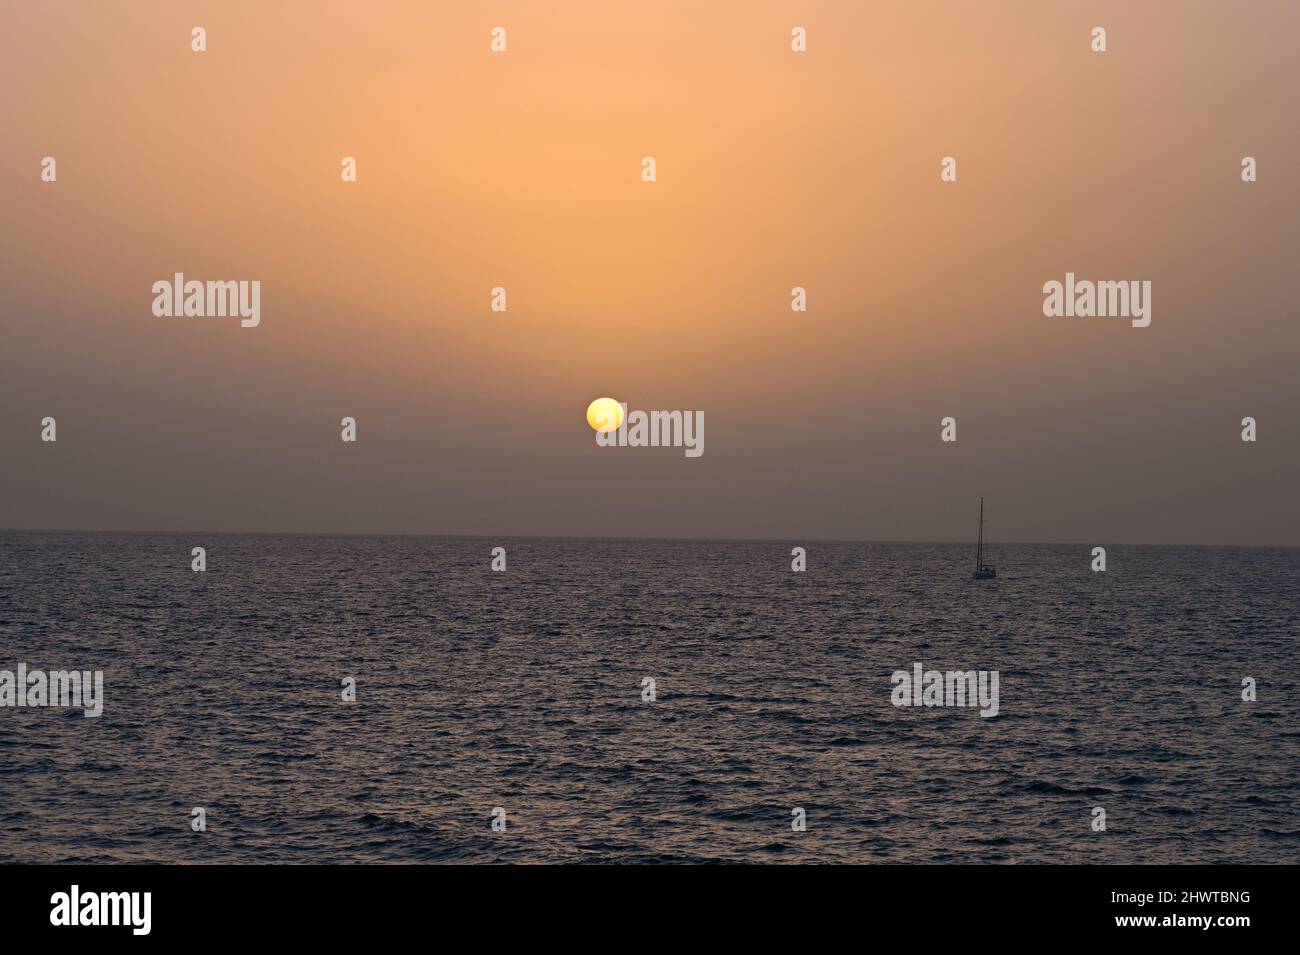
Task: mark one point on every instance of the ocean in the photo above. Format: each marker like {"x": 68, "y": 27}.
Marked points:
{"x": 518, "y": 697}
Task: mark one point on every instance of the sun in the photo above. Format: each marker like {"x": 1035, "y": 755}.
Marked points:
{"x": 605, "y": 414}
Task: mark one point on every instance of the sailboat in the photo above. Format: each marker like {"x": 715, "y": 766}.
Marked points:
{"x": 983, "y": 571}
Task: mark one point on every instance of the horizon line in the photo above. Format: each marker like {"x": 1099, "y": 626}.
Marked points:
{"x": 631, "y": 537}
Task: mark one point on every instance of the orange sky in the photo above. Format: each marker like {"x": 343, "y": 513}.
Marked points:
{"x": 775, "y": 169}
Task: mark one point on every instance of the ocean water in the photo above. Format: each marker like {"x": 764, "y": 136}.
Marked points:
{"x": 523, "y": 690}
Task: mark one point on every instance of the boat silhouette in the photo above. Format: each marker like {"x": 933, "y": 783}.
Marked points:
{"x": 983, "y": 571}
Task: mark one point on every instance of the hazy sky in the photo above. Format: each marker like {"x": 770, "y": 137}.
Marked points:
{"x": 775, "y": 169}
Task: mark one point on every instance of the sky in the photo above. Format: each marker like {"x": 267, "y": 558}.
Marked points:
{"x": 774, "y": 169}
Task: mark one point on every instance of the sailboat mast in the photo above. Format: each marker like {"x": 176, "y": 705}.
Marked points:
{"x": 979, "y": 546}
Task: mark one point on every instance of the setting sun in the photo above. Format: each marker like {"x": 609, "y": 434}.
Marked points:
{"x": 605, "y": 414}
